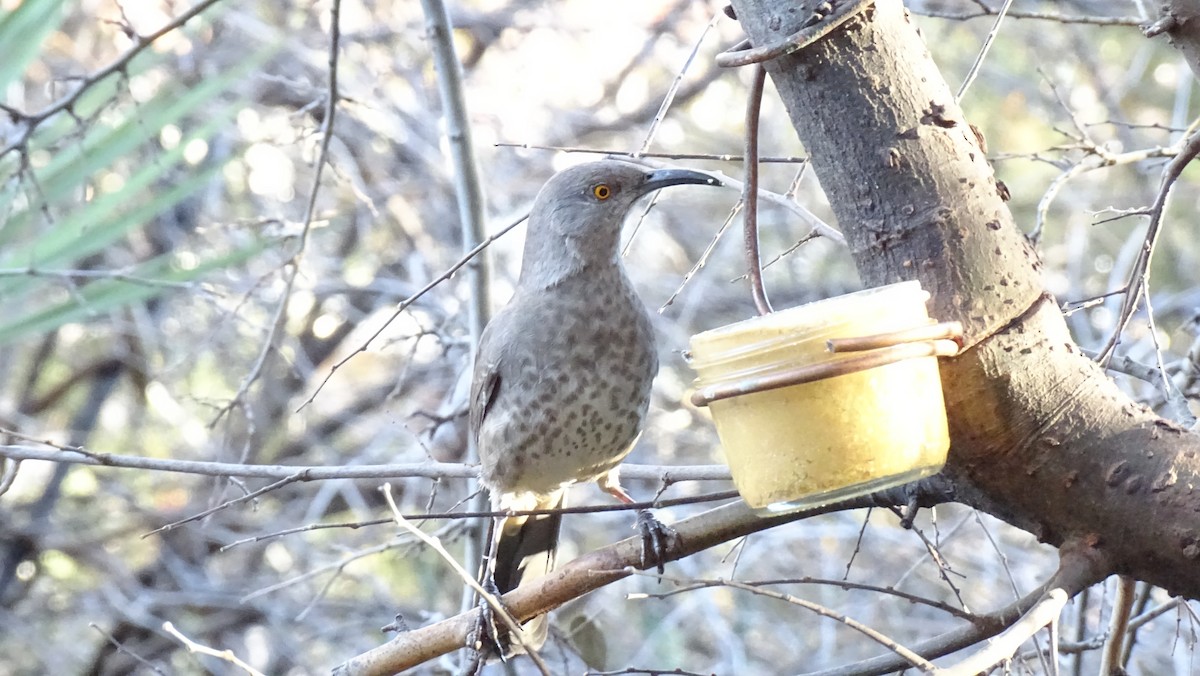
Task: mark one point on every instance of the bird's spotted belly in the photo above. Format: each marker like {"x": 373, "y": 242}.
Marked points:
{"x": 575, "y": 431}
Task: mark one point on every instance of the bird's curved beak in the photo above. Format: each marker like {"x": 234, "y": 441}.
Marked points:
{"x": 662, "y": 178}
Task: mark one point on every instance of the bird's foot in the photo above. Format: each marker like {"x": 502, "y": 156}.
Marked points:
{"x": 486, "y": 638}
{"x": 656, "y": 539}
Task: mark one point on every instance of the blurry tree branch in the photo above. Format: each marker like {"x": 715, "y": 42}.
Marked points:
{"x": 985, "y": 10}
{"x": 292, "y": 266}
{"x": 472, "y": 214}
{"x": 407, "y": 302}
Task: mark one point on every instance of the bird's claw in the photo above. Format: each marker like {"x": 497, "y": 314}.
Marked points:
{"x": 656, "y": 539}
{"x": 487, "y": 638}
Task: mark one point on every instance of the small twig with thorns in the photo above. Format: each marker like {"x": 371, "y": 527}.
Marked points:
{"x": 1139, "y": 276}
{"x": 986, "y": 11}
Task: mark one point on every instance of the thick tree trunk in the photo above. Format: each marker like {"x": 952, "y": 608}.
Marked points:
{"x": 1042, "y": 438}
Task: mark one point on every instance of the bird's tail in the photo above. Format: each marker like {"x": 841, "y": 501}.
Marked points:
{"x": 525, "y": 550}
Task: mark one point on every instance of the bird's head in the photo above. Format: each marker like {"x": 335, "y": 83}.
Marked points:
{"x": 577, "y": 216}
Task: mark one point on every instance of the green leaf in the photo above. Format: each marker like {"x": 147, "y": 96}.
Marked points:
{"x": 22, "y": 31}
{"x": 92, "y": 226}
{"x": 148, "y": 280}
{"x": 73, "y": 165}
{"x": 34, "y": 237}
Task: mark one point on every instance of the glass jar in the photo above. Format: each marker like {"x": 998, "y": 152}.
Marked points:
{"x": 804, "y": 445}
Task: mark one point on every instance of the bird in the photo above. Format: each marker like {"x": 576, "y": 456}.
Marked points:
{"x": 563, "y": 372}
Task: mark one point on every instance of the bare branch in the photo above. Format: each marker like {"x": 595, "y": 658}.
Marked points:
{"x": 428, "y": 470}
{"x": 1139, "y": 276}
{"x": 586, "y": 573}
{"x": 1081, "y": 565}
{"x": 1004, "y": 646}
{"x": 986, "y": 11}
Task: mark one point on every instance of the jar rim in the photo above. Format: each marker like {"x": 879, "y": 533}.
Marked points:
{"x": 802, "y": 323}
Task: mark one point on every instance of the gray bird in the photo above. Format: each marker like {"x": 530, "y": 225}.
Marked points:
{"x": 563, "y": 373}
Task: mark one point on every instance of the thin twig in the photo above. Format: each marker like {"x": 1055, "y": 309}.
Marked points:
{"x": 1177, "y": 407}
{"x": 1118, "y": 624}
{"x": 404, "y": 305}
{"x": 983, "y": 51}
{"x": 1142, "y": 599}
{"x": 79, "y": 455}
{"x": 336, "y": 566}
{"x": 194, "y": 647}
{"x": 986, "y": 11}
{"x": 809, "y": 218}
{"x": 750, "y": 193}
{"x": 1139, "y": 276}
{"x": 913, "y": 658}
{"x": 293, "y": 264}
{"x": 657, "y": 503}
{"x": 225, "y": 505}
{"x": 787, "y": 159}
{"x": 1004, "y": 646}
{"x": 841, "y": 584}
{"x": 1154, "y": 613}
{"x": 1012, "y": 583}
{"x": 669, "y": 97}
{"x": 493, "y": 602}
{"x": 120, "y": 648}
{"x": 704, "y": 256}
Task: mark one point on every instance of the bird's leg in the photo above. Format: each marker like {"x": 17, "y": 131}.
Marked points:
{"x": 487, "y": 637}
{"x": 656, "y": 536}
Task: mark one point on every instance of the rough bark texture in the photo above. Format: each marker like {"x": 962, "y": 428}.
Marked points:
{"x": 1041, "y": 436}
{"x": 1180, "y": 21}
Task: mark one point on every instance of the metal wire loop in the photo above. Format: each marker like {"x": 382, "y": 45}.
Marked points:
{"x": 934, "y": 340}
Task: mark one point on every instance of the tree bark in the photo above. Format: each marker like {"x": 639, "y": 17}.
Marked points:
{"x": 1180, "y": 21}
{"x": 1041, "y": 437}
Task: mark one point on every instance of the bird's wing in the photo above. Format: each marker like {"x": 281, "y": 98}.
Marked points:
{"x": 485, "y": 384}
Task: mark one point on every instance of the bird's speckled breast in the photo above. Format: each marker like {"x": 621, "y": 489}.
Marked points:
{"x": 585, "y": 363}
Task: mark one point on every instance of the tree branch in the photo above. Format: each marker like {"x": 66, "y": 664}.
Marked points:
{"x": 430, "y": 470}
{"x": 1081, "y": 565}
{"x": 594, "y": 570}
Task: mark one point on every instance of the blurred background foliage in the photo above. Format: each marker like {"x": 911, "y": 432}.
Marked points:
{"x": 149, "y": 228}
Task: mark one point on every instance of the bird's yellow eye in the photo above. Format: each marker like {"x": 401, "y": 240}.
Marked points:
{"x": 601, "y": 191}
